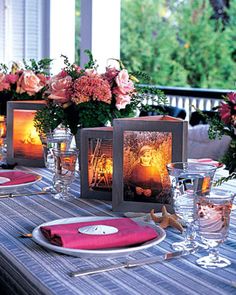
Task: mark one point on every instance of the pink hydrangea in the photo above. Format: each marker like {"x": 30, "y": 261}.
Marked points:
{"x": 91, "y": 87}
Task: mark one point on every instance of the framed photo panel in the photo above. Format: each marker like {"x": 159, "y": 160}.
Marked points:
{"x": 96, "y": 163}
{"x": 142, "y": 147}
{"x": 24, "y": 146}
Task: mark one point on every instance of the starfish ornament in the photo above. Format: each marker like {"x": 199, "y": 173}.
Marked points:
{"x": 166, "y": 219}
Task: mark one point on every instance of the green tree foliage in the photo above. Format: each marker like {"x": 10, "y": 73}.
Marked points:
{"x": 179, "y": 44}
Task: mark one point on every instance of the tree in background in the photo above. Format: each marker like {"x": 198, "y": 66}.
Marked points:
{"x": 179, "y": 43}
{"x": 147, "y": 41}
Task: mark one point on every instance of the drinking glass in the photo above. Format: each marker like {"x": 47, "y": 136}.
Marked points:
{"x": 55, "y": 140}
{"x": 188, "y": 180}
{"x": 213, "y": 216}
{"x": 65, "y": 163}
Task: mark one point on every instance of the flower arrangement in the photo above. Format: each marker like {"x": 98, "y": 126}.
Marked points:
{"x": 89, "y": 98}
{"x": 25, "y": 82}
{"x": 224, "y": 123}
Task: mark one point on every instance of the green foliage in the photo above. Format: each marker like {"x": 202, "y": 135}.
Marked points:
{"x": 40, "y": 67}
{"x": 225, "y": 179}
{"x": 179, "y": 44}
{"x": 48, "y": 118}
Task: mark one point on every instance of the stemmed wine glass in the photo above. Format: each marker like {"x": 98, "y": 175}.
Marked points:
{"x": 188, "y": 180}
{"x": 213, "y": 216}
{"x": 65, "y": 164}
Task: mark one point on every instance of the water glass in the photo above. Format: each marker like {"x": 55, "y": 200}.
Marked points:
{"x": 213, "y": 216}
{"x": 52, "y": 141}
{"x": 188, "y": 180}
{"x": 65, "y": 164}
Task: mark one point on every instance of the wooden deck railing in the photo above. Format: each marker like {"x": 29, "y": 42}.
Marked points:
{"x": 191, "y": 98}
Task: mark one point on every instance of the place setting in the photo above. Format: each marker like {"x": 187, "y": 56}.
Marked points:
{"x": 202, "y": 214}
{"x": 15, "y": 181}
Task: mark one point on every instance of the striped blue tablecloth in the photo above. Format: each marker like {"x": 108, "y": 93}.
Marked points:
{"x": 27, "y": 268}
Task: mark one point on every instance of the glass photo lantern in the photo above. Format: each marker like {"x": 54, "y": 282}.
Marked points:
{"x": 96, "y": 163}
{"x": 24, "y": 146}
{"x": 142, "y": 149}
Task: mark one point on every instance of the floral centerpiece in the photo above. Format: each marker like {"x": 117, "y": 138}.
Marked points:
{"x": 224, "y": 123}
{"x": 26, "y": 82}
{"x": 85, "y": 98}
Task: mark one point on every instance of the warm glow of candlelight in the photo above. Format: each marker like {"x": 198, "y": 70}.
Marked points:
{"x": 26, "y": 140}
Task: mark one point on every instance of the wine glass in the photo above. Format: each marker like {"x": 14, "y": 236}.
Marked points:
{"x": 65, "y": 163}
{"x": 187, "y": 181}
{"x": 54, "y": 140}
{"x": 213, "y": 216}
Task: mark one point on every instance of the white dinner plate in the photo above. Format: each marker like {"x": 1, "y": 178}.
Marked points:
{"x": 101, "y": 253}
{"x": 14, "y": 187}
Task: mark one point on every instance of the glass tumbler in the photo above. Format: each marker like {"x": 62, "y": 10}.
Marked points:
{"x": 188, "y": 180}
{"x": 52, "y": 141}
{"x": 65, "y": 166}
{"x": 213, "y": 216}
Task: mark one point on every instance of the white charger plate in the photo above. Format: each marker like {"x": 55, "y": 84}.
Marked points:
{"x": 101, "y": 253}
{"x": 14, "y": 187}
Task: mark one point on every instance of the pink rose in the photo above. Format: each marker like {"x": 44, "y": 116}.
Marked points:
{"x": 225, "y": 113}
{"x": 124, "y": 85}
{"x": 4, "y": 85}
{"x": 110, "y": 74}
{"x": 59, "y": 88}
{"x": 29, "y": 82}
{"x": 122, "y": 101}
{"x": 43, "y": 79}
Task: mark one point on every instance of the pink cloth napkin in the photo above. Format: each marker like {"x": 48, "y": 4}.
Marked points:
{"x": 129, "y": 233}
{"x": 207, "y": 161}
{"x": 17, "y": 177}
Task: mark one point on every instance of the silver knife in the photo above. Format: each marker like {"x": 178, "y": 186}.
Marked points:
{"x": 12, "y": 195}
{"x": 131, "y": 263}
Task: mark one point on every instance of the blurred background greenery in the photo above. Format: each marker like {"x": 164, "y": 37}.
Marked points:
{"x": 184, "y": 43}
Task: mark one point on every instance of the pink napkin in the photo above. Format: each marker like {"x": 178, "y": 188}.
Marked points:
{"x": 207, "y": 161}
{"x": 17, "y": 177}
{"x": 129, "y": 233}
